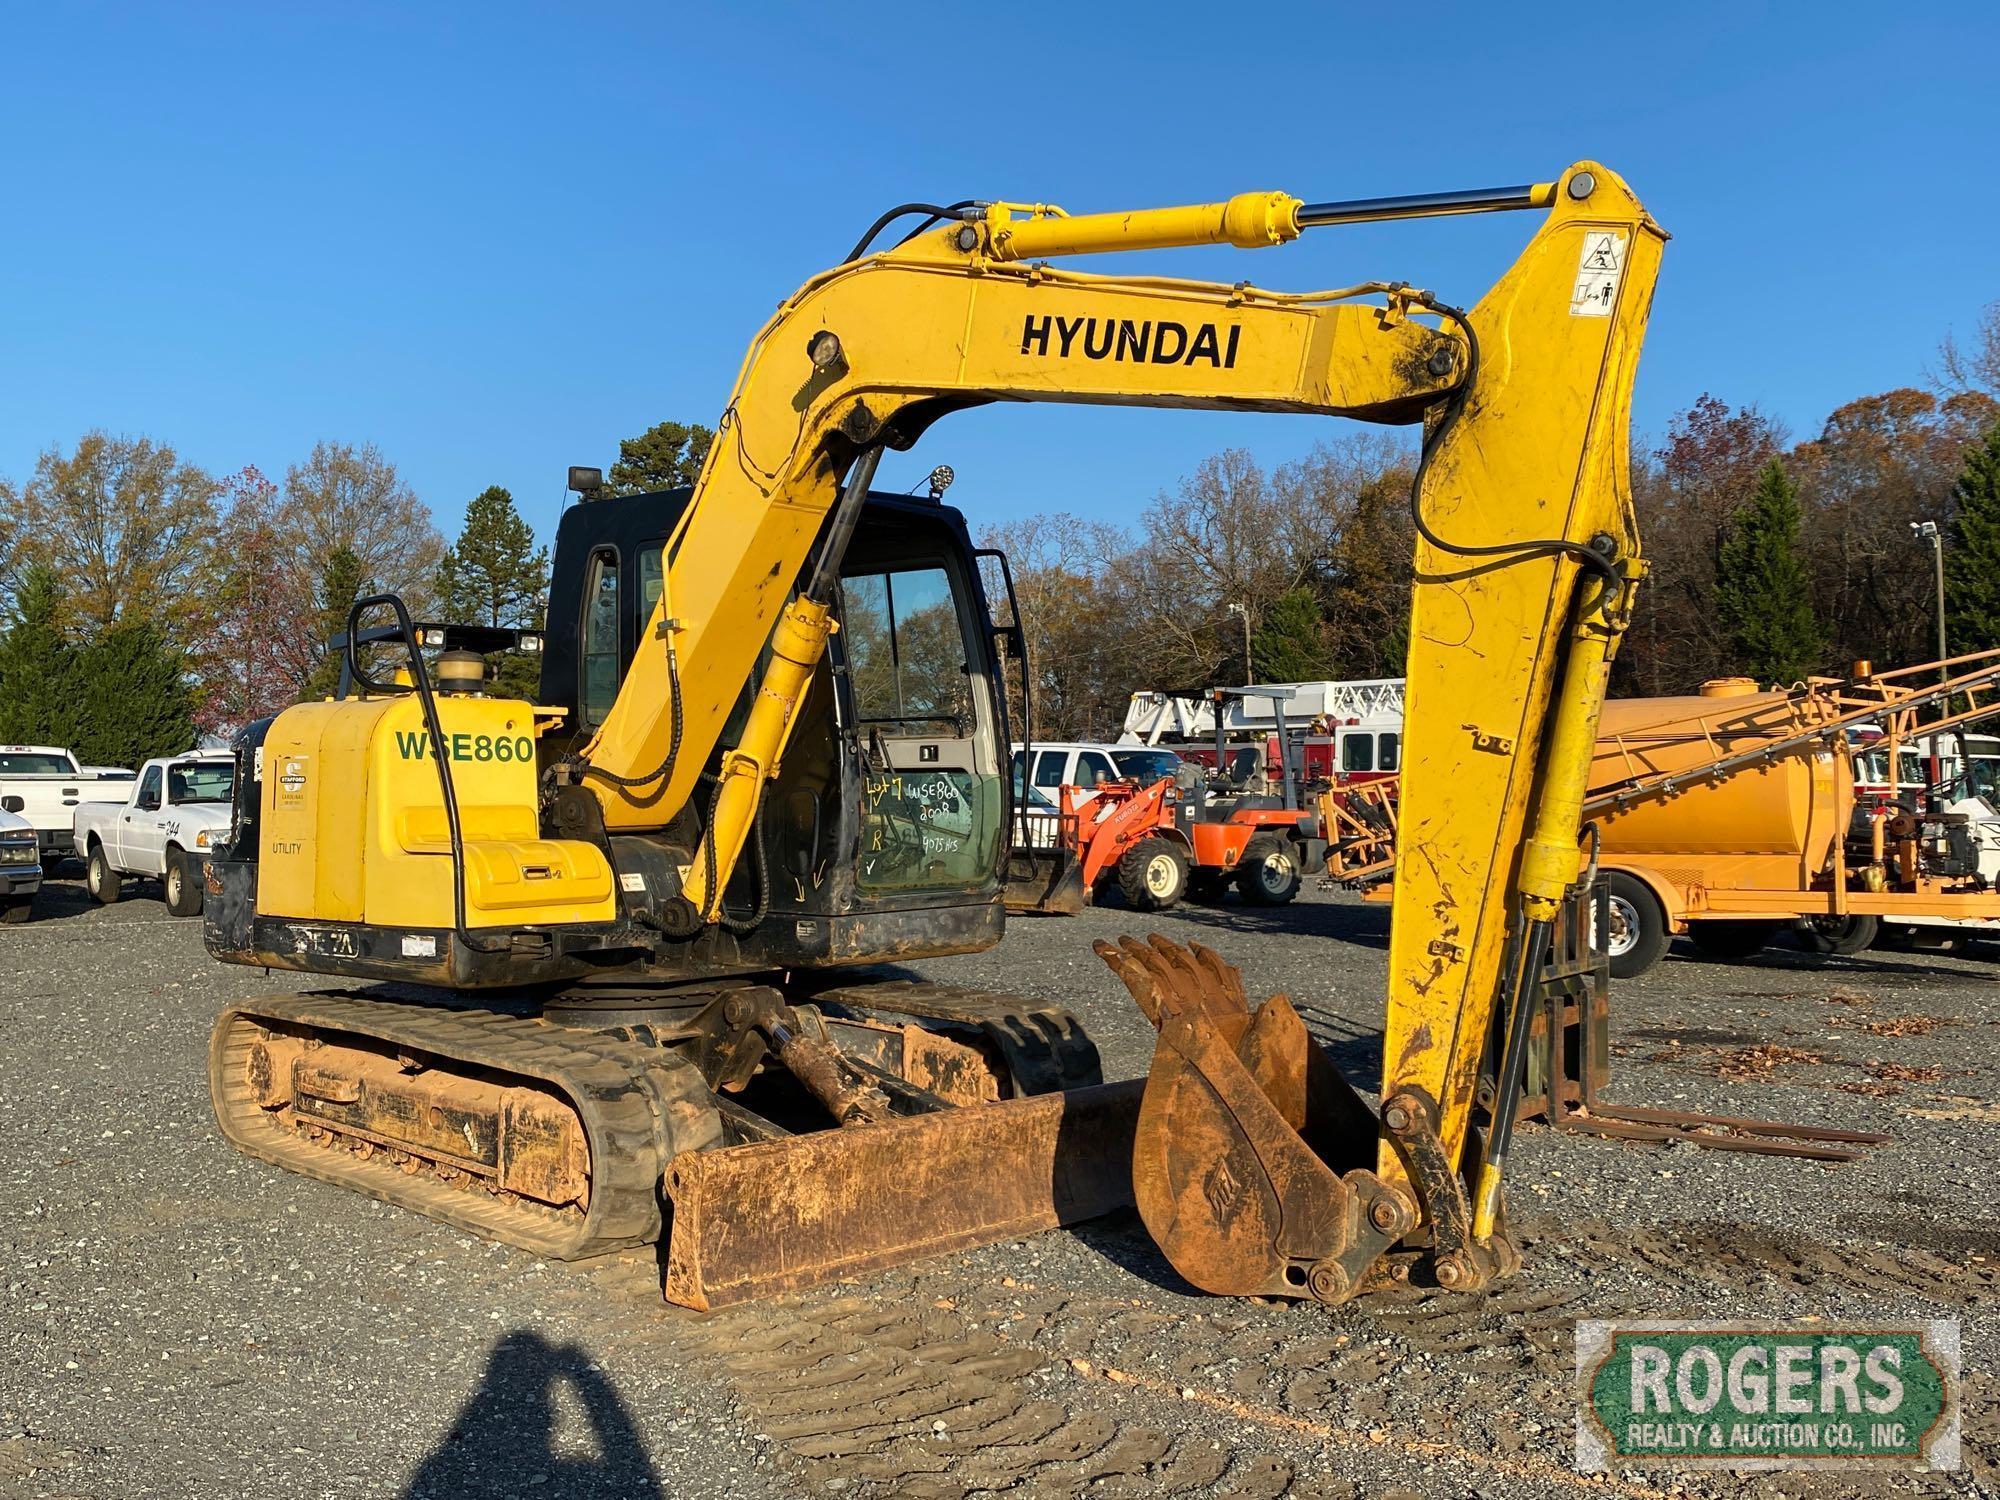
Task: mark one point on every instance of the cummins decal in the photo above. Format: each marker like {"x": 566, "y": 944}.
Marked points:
{"x": 1133, "y": 342}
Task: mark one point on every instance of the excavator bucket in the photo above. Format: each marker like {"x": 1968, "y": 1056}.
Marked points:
{"x": 1045, "y": 880}
{"x": 1251, "y": 1157}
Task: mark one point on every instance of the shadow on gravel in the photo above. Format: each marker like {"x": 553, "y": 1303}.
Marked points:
{"x": 61, "y": 897}
{"x": 1121, "y": 1239}
{"x": 1363, "y": 926}
{"x": 503, "y": 1441}
{"x": 1797, "y": 961}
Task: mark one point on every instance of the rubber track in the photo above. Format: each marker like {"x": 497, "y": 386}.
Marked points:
{"x": 638, "y": 1105}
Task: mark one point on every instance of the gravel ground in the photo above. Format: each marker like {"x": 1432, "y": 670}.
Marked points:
{"x": 181, "y": 1321}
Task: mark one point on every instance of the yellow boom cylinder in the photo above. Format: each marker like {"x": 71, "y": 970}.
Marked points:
{"x": 1251, "y": 220}
{"x": 796, "y": 648}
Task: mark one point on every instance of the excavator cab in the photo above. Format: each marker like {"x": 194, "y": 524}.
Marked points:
{"x": 885, "y": 827}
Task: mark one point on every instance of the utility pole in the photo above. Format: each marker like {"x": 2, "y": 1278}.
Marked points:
{"x": 1927, "y": 531}
{"x": 1249, "y": 669}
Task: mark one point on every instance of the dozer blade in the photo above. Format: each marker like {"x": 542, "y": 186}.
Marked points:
{"x": 1250, "y": 1157}
{"x": 773, "y": 1216}
{"x": 1044, "y": 880}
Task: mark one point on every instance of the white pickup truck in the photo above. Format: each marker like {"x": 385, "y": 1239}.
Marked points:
{"x": 20, "y": 862}
{"x": 179, "y": 810}
{"x": 52, "y": 786}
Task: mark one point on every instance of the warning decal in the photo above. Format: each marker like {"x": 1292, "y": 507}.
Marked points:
{"x": 1597, "y": 271}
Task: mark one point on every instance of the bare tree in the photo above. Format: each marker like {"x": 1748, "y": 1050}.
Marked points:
{"x": 352, "y": 497}
{"x": 1082, "y": 648}
{"x": 1975, "y": 369}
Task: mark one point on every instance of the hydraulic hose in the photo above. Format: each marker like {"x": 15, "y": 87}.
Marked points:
{"x": 1455, "y": 406}
{"x": 935, "y": 211}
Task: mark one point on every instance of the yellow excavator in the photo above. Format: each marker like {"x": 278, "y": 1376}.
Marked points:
{"x": 772, "y": 748}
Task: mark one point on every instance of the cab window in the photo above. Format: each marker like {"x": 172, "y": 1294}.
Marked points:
{"x": 601, "y": 662}
{"x": 1049, "y": 767}
{"x": 1392, "y": 752}
{"x": 1092, "y": 769}
{"x": 905, "y": 650}
{"x": 204, "y": 781}
{"x": 651, "y": 581}
{"x": 1357, "y": 752}
{"x": 149, "y": 790}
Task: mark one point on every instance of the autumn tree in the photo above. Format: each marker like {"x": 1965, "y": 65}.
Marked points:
{"x": 1878, "y": 464}
{"x": 10, "y": 520}
{"x": 1699, "y": 477}
{"x": 242, "y": 662}
{"x": 665, "y": 456}
{"x": 496, "y": 575}
{"x": 129, "y": 527}
{"x": 39, "y": 688}
{"x": 1763, "y": 594}
{"x": 1972, "y": 562}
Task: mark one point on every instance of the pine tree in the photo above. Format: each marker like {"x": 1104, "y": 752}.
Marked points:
{"x": 663, "y": 457}
{"x": 496, "y": 575}
{"x": 341, "y": 581}
{"x": 137, "y": 700}
{"x": 1289, "y": 645}
{"x": 38, "y": 666}
{"x": 1762, "y": 591}
{"x": 1972, "y": 565}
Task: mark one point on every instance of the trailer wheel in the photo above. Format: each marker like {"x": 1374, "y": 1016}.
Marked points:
{"x": 1268, "y": 873}
{"x": 1730, "y": 941}
{"x": 104, "y": 883}
{"x": 1153, "y": 874}
{"x": 1838, "y": 935}
{"x": 1638, "y": 934}
{"x": 183, "y": 885}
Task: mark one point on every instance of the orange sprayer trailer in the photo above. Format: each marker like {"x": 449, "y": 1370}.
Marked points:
{"x": 1730, "y": 860}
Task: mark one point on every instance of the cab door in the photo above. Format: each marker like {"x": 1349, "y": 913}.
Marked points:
{"x": 933, "y": 804}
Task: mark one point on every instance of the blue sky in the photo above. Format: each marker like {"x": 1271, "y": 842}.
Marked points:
{"x": 495, "y": 239}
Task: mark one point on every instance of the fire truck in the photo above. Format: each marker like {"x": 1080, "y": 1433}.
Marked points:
{"x": 1333, "y": 733}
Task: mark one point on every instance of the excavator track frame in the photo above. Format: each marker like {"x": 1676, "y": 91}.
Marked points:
{"x": 636, "y": 1106}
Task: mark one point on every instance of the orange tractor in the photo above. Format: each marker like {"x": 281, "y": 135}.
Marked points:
{"x": 1194, "y": 834}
